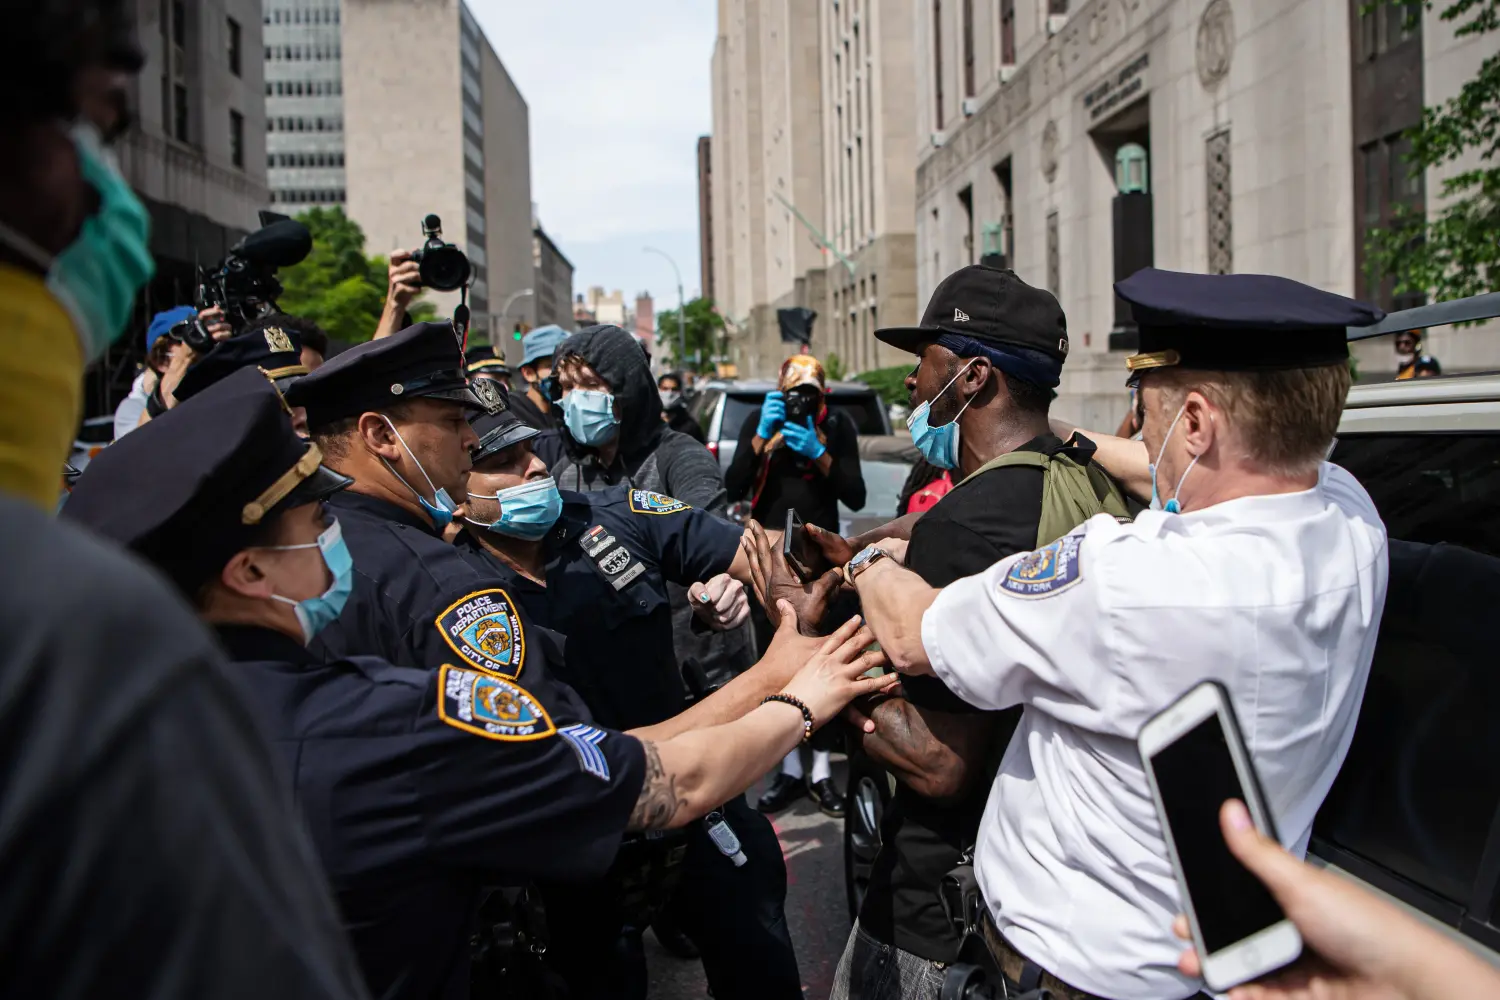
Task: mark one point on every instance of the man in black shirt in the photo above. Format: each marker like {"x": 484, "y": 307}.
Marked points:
{"x": 990, "y": 349}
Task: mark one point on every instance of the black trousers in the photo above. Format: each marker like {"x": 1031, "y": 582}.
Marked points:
{"x": 737, "y": 916}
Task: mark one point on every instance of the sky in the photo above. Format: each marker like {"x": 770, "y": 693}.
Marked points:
{"x": 618, "y": 94}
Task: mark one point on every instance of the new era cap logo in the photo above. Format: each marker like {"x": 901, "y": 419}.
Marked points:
{"x": 959, "y": 316}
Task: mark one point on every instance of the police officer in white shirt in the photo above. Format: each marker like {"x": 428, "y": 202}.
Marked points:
{"x": 1260, "y": 565}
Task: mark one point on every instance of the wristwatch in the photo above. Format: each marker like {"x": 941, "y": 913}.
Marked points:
{"x": 863, "y": 560}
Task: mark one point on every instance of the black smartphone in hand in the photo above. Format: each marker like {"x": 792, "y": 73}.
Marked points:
{"x": 802, "y": 554}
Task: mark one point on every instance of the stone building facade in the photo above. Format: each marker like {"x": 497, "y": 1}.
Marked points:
{"x": 1084, "y": 140}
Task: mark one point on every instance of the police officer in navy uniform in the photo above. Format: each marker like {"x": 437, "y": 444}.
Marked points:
{"x": 595, "y": 567}
{"x": 417, "y": 785}
{"x": 270, "y": 345}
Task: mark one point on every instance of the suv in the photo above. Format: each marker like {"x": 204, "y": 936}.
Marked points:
{"x": 1415, "y": 812}
{"x": 721, "y": 409}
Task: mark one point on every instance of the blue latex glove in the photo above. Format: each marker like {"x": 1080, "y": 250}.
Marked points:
{"x": 802, "y": 439}
{"x": 772, "y": 416}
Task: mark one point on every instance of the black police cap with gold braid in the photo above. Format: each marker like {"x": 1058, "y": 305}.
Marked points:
{"x": 422, "y": 361}
{"x": 1238, "y": 322}
{"x": 268, "y": 346}
{"x": 191, "y": 488}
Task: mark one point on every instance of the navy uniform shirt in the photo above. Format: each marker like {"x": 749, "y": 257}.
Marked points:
{"x": 609, "y": 559}
{"x": 421, "y": 786}
{"x": 418, "y": 602}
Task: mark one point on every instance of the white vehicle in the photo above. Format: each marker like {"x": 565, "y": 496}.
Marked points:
{"x": 1415, "y": 812}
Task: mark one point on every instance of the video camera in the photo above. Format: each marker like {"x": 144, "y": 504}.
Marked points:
{"x": 442, "y": 266}
{"x": 244, "y": 284}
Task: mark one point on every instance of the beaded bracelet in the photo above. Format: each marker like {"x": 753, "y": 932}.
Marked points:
{"x": 797, "y": 703}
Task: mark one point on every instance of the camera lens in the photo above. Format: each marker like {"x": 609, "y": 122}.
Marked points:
{"x": 444, "y": 268}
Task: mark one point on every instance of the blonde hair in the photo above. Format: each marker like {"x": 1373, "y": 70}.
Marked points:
{"x": 1284, "y": 420}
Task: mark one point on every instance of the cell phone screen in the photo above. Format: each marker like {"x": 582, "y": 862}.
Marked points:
{"x": 802, "y": 552}
{"x": 1195, "y": 775}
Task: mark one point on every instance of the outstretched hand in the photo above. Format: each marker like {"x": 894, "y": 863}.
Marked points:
{"x": 834, "y": 675}
{"x": 773, "y": 580}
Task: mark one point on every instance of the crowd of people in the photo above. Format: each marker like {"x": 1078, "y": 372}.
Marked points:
{"x": 368, "y": 675}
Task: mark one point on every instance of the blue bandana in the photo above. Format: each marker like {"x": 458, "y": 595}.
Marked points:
{"x": 1020, "y": 362}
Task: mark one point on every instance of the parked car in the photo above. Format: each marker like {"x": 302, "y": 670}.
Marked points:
{"x": 722, "y": 407}
{"x": 1415, "y": 811}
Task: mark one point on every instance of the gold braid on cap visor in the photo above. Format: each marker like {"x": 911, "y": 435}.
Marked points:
{"x": 285, "y": 483}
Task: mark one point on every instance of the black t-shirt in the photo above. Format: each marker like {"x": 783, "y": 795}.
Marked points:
{"x": 792, "y": 483}
{"x": 977, "y": 524}
{"x": 147, "y": 845}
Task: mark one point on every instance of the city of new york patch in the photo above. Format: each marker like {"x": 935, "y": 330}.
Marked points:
{"x": 496, "y": 708}
{"x": 484, "y": 629}
{"x": 1049, "y": 570}
{"x": 646, "y": 502}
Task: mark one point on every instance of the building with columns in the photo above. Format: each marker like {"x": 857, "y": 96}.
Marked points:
{"x": 1085, "y": 140}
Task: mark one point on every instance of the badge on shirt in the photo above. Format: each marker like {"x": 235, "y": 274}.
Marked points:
{"x": 493, "y": 707}
{"x": 485, "y": 630}
{"x": 610, "y": 557}
{"x": 646, "y": 502}
{"x": 1047, "y": 571}
{"x": 585, "y": 742}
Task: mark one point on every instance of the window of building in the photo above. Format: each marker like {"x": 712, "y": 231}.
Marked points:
{"x": 937, "y": 60}
{"x": 1007, "y": 32}
{"x": 180, "y": 112}
{"x": 966, "y": 202}
{"x": 179, "y": 24}
{"x": 1220, "y": 219}
{"x": 234, "y": 45}
{"x": 1055, "y": 7}
{"x": 237, "y": 139}
{"x": 1054, "y": 256}
{"x": 968, "y": 19}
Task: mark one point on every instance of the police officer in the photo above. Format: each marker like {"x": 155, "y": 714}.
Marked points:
{"x": 274, "y": 348}
{"x": 595, "y": 567}
{"x": 1260, "y": 566}
{"x": 417, "y": 785}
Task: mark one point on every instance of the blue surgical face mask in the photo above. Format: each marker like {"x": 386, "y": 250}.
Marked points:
{"x": 590, "y": 416}
{"x": 442, "y": 506}
{"x": 97, "y": 276}
{"x": 527, "y": 511}
{"x": 316, "y": 613}
{"x": 1174, "y": 505}
{"x": 939, "y": 445}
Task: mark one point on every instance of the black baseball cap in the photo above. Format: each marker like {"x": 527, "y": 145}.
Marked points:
{"x": 1220, "y": 322}
{"x": 992, "y": 306}
{"x": 188, "y": 490}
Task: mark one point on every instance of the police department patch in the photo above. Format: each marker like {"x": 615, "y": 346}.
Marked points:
{"x": 1049, "y": 570}
{"x": 585, "y": 742}
{"x": 485, "y": 630}
{"x": 646, "y": 502}
{"x": 489, "y": 706}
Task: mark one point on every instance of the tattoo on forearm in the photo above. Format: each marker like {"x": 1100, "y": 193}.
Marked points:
{"x": 658, "y": 802}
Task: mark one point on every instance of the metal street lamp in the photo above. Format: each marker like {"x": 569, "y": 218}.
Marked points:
{"x": 681, "y": 305}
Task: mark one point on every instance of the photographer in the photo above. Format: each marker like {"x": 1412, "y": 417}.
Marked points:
{"x": 158, "y": 355}
{"x": 187, "y": 339}
{"x": 436, "y": 264}
{"x": 796, "y": 454}
{"x": 403, "y": 285}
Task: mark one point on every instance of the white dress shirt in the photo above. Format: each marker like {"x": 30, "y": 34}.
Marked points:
{"x": 1276, "y": 597}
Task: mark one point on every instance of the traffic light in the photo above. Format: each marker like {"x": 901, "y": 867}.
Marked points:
{"x": 516, "y": 333}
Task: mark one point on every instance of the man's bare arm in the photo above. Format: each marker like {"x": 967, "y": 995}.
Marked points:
{"x": 935, "y": 754}
{"x": 894, "y": 599}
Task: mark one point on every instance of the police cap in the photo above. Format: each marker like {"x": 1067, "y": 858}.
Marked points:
{"x": 191, "y": 488}
{"x": 274, "y": 349}
{"x": 498, "y": 431}
{"x": 421, "y": 362}
{"x": 484, "y": 360}
{"x": 1238, "y": 322}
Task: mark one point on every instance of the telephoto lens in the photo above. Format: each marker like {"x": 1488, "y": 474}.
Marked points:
{"x": 442, "y": 266}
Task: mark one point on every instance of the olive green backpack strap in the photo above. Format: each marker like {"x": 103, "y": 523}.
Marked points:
{"x": 1071, "y": 493}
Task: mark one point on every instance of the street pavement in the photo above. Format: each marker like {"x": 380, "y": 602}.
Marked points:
{"x": 816, "y": 909}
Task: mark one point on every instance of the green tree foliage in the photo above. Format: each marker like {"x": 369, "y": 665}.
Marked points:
{"x": 703, "y": 329}
{"x": 1453, "y": 253}
{"x": 888, "y": 383}
{"x": 833, "y": 366}
{"x": 337, "y": 286}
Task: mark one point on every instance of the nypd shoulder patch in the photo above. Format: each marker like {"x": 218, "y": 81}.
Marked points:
{"x": 585, "y": 742}
{"x": 496, "y": 708}
{"x": 646, "y": 502}
{"x": 484, "y": 629}
{"x": 1049, "y": 570}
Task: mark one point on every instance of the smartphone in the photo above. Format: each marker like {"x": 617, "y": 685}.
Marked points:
{"x": 801, "y": 552}
{"x": 1196, "y": 759}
